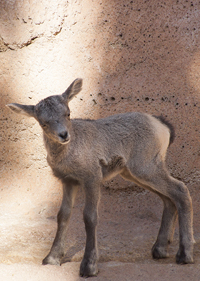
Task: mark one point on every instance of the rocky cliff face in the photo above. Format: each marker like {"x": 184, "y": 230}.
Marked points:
{"x": 132, "y": 55}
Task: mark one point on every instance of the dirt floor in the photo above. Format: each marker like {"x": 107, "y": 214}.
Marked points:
{"x": 129, "y": 220}
{"x": 110, "y": 271}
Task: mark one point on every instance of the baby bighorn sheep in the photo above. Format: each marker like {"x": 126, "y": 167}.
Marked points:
{"x": 86, "y": 152}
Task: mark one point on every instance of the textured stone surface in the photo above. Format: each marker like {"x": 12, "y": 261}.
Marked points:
{"x": 24, "y": 21}
{"x": 132, "y": 55}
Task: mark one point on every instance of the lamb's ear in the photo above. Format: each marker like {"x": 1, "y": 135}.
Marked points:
{"x": 73, "y": 89}
{"x": 28, "y": 110}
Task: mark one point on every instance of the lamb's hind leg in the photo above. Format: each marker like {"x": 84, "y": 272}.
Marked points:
{"x": 179, "y": 195}
{"x": 161, "y": 183}
{"x": 58, "y": 247}
{"x": 166, "y": 232}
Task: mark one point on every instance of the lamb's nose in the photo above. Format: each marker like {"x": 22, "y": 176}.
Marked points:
{"x": 63, "y": 135}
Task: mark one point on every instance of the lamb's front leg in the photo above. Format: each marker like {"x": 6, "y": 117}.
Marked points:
{"x": 89, "y": 263}
{"x": 58, "y": 248}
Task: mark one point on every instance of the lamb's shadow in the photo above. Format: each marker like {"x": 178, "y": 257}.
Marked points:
{"x": 74, "y": 253}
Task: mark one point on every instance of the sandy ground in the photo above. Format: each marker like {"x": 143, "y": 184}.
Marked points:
{"x": 111, "y": 271}
{"x": 129, "y": 220}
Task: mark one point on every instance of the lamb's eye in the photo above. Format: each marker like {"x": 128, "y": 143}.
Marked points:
{"x": 44, "y": 126}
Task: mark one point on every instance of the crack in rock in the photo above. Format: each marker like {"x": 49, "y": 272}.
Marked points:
{"x": 21, "y": 22}
{"x": 3, "y": 46}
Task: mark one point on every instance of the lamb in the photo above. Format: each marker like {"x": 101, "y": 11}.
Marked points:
{"x": 86, "y": 152}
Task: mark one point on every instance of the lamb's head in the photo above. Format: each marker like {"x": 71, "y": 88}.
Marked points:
{"x": 52, "y": 113}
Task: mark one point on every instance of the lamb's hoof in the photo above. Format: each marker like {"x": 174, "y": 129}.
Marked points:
{"x": 159, "y": 252}
{"x": 88, "y": 269}
{"x": 184, "y": 258}
{"x": 51, "y": 260}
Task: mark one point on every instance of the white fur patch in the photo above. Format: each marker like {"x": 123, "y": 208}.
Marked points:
{"x": 163, "y": 134}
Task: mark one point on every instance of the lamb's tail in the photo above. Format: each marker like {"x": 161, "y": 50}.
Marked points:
{"x": 169, "y": 125}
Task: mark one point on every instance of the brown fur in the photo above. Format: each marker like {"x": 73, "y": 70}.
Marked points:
{"x": 86, "y": 152}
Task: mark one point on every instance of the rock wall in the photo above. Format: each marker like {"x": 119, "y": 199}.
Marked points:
{"x": 132, "y": 55}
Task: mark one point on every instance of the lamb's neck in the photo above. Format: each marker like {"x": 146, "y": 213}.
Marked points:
{"x": 54, "y": 149}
